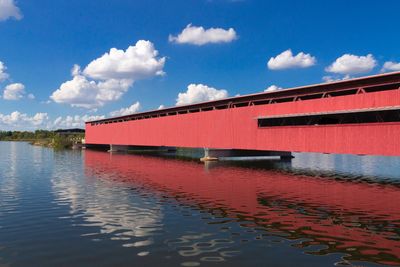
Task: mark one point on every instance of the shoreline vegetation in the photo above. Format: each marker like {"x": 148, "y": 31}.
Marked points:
{"x": 59, "y": 139}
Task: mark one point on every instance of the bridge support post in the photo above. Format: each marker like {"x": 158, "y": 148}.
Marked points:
{"x": 117, "y": 148}
{"x": 209, "y": 156}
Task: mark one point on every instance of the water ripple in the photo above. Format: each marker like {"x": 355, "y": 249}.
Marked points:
{"x": 71, "y": 208}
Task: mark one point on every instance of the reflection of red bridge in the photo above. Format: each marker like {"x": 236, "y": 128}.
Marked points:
{"x": 358, "y": 219}
{"x": 359, "y": 116}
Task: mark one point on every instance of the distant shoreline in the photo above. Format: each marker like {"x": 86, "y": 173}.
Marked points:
{"x": 44, "y": 138}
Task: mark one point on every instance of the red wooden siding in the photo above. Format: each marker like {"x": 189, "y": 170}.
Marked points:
{"x": 237, "y": 128}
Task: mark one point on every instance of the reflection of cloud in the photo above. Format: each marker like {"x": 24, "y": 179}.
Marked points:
{"x": 37, "y": 157}
{"x": 116, "y": 211}
{"x": 9, "y": 179}
{"x": 380, "y": 166}
{"x": 314, "y": 161}
{"x": 351, "y": 165}
{"x": 204, "y": 245}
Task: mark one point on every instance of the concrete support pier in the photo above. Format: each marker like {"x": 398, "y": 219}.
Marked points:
{"x": 209, "y": 155}
{"x": 215, "y": 154}
{"x": 117, "y": 148}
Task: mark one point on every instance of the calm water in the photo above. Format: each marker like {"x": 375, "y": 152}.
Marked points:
{"x": 90, "y": 208}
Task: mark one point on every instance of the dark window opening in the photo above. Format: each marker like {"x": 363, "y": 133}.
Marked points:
{"x": 262, "y": 102}
{"x": 344, "y": 92}
{"x": 282, "y": 100}
{"x": 308, "y": 97}
{"x": 336, "y": 118}
{"x": 222, "y": 107}
{"x": 381, "y": 88}
{"x": 243, "y": 104}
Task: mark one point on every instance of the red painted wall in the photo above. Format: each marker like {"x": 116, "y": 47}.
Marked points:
{"x": 237, "y": 128}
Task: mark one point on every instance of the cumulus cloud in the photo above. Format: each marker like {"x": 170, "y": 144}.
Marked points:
{"x": 108, "y": 77}
{"x": 329, "y": 78}
{"x": 14, "y": 91}
{"x": 200, "y": 93}
{"x": 286, "y": 60}
{"x": 136, "y": 62}
{"x": 73, "y": 121}
{"x": 352, "y": 64}
{"x": 76, "y": 70}
{"x": 390, "y": 66}
{"x": 8, "y": 9}
{"x": 200, "y": 36}
{"x": 161, "y": 107}
{"x": 18, "y": 120}
{"x": 3, "y": 74}
{"x": 135, "y": 107}
{"x": 21, "y": 121}
{"x": 81, "y": 92}
{"x": 272, "y": 88}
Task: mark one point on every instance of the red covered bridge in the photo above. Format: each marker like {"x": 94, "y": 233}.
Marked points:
{"x": 357, "y": 116}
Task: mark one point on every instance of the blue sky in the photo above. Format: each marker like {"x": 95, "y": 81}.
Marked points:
{"x": 41, "y": 41}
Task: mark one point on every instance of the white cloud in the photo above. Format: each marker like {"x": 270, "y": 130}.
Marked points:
{"x": 39, "y": 119}
{"x": 272, "y": 88}
{"x": 199, "y": 36}
{"x": 329, "y": 78}
{"x": 81, "y": 92}
{"x": 76, "y": 70}
{"x": 3, "y": 74}
{"x": 8, "y": 9}
{"x": 200, "y": 93}
{"x": 73, "y": 121}
{"x": 135, "y": 107}
{"x": 22, "y": 121}
{"x": 391, "y": 66}
{"x": 108, "y": 77}
{"x": 18, "y": 120}
{"x": 14, "y": 91}
{"x": 352, "y": 64}
{"x": 137, "y": 62}
{"x": 161, "y": 107}
{"x": 286, "y": 60}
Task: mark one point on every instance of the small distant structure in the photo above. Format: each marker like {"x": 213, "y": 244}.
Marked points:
{"x": 74, "y": 135}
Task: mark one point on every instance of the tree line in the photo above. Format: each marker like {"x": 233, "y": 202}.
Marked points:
{"x": 26, "y": 135}
{"x": 59, "y": 139}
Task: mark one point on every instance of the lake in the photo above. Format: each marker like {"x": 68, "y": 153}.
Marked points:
{"x": 93, "y": 208}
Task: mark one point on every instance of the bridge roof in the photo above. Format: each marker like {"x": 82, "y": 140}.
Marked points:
{"x": 373, "y": 83}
